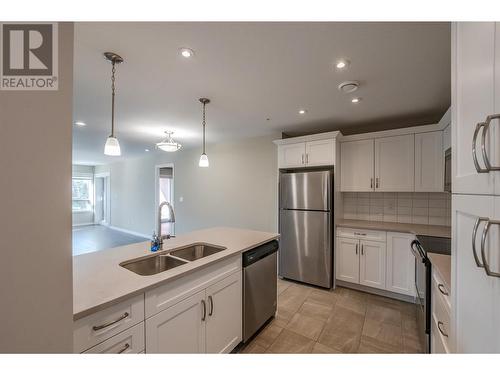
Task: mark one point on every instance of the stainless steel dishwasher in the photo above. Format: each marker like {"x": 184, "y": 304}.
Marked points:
{"x": 260, "y": 283}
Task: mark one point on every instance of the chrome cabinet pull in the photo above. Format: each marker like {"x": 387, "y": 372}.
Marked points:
{"x": 474, "y": 232}
{"x": 474, "y": 156}
{"x": 203, "y": 317}
{"x": 371, "y": 183}
{"x": 440, "y": 324}
{"x": 442, "y": 289}
{"x": 487, "y": 268}
{"x": 362, "y": 251}
{"x": 302, "y": 158}
{"x": 102, "y": 326}
{"x": 376, "y": 183}
{"x": 210, "y": 299}
{"x": 487, "y": 163}
{"x": 307, "y": 158}
{"x": 124, "y": 348}
{"x": 356, "y": 249}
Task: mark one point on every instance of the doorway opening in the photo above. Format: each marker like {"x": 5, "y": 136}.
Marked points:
{"x": 102, "y": 199}
{"x": 164, "y": 193}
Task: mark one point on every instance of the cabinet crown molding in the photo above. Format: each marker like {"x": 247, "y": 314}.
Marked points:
{"x": 308, "y": 138}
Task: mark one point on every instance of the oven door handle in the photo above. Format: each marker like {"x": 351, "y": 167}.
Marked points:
{"x": 419, "y": 250}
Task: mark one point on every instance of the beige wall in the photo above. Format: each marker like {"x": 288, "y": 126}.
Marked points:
{"x": 238, "y": 189}
{"x": 36, "y": 313}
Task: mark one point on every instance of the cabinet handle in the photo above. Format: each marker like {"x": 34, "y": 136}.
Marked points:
{"x": 442, "y": 289}
{"x": 474, "y": 156}
{"x": 211, "y": 305}
{"x": 487, "y": 163}
{"x": 440, "y": 324}
{"x": 124, "y": 348}
{"x": 362, "y": 251}
{"x": 204, "y": 306}
{"x": 302, "y": 158}
{"x": 371, "y": 183}
{"x": 474, "y": 232}
{"x": 356, "y": 249}
{"x": 487, "y": 268}
{"x": 307, "y": 158}
{"x": 102, "y": 326}
{"x": 376, "y": 183}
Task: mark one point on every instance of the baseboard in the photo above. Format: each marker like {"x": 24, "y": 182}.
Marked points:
{"x": 82, "y": 225}
{"x": 380, "y": 292}
{"x": 129, "y": 232}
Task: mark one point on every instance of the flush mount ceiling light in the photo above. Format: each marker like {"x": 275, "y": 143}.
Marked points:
{"x": 112, "y": 146}
{"x": 355, "y": 100}
{"x": 146, "y": 149}
{"x": 302, "y": 112}
{"x": 186, "y": 52}
{"x": 168, "y": 144}
{"x": 80, "y": 123}
{"x": 204, "y": 158}
{"x": 342, "y": 64}
{"x": 348, "y": 86}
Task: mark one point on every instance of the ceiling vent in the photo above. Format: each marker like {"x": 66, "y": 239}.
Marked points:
{"x": 348, "y": 86}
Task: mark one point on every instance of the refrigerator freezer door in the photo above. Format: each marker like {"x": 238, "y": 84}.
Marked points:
{"x": 306, "y": 247}
{"x": 305, "y": 190}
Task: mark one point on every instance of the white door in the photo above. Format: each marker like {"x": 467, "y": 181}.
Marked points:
{"x": 472, "y": 100}
{"x": 429, "y": 162}
{"x": 372, "y": 264}
{"x": 320, "y": 152}
{"x": 394, "y": 163}
{"x": 400, "y": 264}
{"x": 347, "y": 260}
{"x": 292, "y": 155}
{"x": 475, "y": 296}
{"x": 357, "y": 166}
{"x": 224, "y": 314}
{"x": 178, "y": 329}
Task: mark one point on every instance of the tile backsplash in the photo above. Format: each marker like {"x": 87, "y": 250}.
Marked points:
{"x": 417, "y": 208}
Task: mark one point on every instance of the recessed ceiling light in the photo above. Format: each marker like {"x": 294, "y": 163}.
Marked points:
{"x": 80, "y": 123}
{"x": 302, "y": 112}
{"x": 146, "y": 149}
{"x": 355, "y": 100}
{"x": 187, "y": 52}
{"x": 349, "y": 86}
{"x": 342, "y": 64}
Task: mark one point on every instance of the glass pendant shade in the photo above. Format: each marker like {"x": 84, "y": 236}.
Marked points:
{"x": 112, "y": 147}
{"x": 203, "y": 161}
{"x": 168, "y": 144}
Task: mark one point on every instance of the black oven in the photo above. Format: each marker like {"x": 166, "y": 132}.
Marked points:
{"x": 423, "y": 278}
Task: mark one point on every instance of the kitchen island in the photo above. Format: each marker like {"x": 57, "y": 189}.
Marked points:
{"x": 114, "y": 307}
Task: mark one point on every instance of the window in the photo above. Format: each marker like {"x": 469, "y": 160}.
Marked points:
{"x": 82, "y": 194}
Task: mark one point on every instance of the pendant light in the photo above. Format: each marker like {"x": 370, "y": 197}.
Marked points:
{"x": 168, "y": 144}
{"x": 204, "y": 158}
{"x": 112, "y": 146}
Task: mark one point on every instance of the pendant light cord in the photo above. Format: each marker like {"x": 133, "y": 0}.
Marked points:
{"x": 204, "y": 127}
{"x": 113, "y": 70}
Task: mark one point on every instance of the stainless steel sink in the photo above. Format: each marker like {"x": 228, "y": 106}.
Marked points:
{"x": 152, "y": 265}
{"x": 197, "y": 251}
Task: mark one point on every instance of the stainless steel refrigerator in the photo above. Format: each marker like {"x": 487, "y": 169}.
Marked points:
{"x": 306, "y": 227}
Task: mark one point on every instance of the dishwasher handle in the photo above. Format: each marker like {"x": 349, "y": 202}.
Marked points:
{"x": 260, "y": 252}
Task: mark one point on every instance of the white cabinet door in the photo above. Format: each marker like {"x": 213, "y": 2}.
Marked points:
{"x": 224, "y": 314}
{"x": 357, "y": 165}
{"x": 429, "y": 162}
{"x": 178, "y": 329}
{"x": 292, "y": 155}
{"x": 475, "y": 296}
{"x": 400, "y": 265}
{"x": 473, "y": 58}
{"x": 320, "y": 152}
{"x": 372, "y": 264}
{"x": 394, "y": 163}
{"x": 347, "y": 260}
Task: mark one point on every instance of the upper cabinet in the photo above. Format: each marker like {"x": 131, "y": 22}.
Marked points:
{"x": 357, "y": 160}
{"x": 394, "y": 163}
{"x": 429, "y": 162}
{"x": 308, "y": 151}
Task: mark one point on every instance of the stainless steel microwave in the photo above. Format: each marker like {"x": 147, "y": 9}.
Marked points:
{"x": 447, "y": 170}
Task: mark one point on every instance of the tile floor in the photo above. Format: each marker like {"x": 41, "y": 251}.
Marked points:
{"x": 313, "y": 320}
{"x": 90, "y": 238}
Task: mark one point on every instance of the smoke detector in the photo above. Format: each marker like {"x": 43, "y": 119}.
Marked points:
{"x": 348, "y": 86}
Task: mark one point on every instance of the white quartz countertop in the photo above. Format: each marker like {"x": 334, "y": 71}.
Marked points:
{"x": 99, "y": 281}
{"x": 417, "y": 229}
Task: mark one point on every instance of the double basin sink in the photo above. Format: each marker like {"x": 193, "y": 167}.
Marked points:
{"x": 153, "y": 264}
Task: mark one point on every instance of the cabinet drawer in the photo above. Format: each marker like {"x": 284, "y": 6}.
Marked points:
{"x": 362, "y": 234}
{"x": 438, "y": 345}
{"x": 175, "y": 291}
{"x": 440, "y": 315}
{"x": 94, "y": 329}
{"x": 127, "y": 342}
{"x": 440, "y": 290}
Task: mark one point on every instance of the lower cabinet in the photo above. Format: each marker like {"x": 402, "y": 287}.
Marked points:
{"x": 209, "y": 321}
{"x": 347, "y": 259}
{"x": 372, "y": 264}
{"x": 400, "y": 272}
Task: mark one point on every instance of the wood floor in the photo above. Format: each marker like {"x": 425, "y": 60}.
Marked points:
{"x": 90, "y": 238}
{"x": 312, "y": 320}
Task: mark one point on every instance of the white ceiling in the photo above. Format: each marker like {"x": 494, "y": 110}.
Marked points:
{"x": 251, "y": 72}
